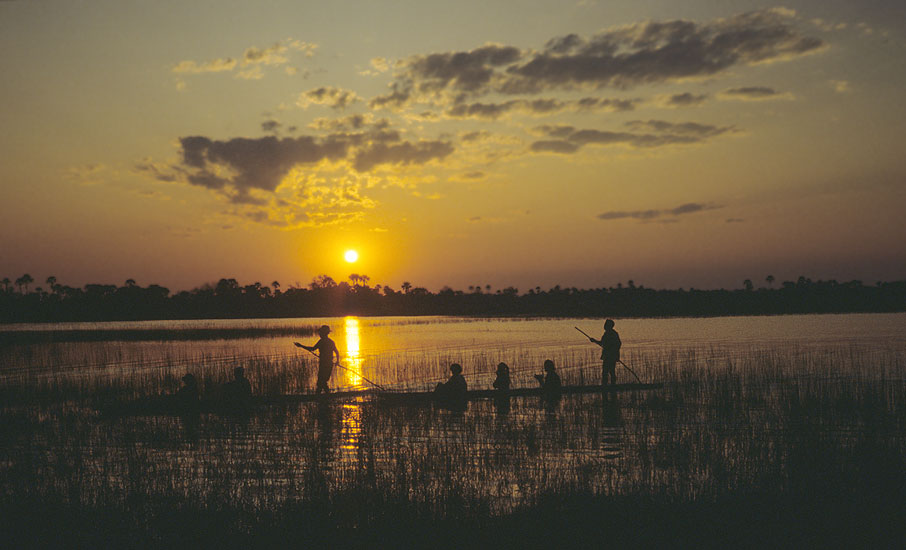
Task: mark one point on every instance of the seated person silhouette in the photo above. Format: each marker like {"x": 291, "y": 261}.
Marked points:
{"x": 453, "y": 391}
{"x": 237, "y": 393}
{"x": 186, "y": 398}
{"x": 502, "y": 382}
{"x": 551, "y": 385}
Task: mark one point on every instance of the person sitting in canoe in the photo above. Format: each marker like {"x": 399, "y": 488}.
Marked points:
{"x": 454, "y": 389}
{"x": 186, "y": 398}
{"x": 551, "y": 385}
{"x": 502, "y": 385}
{"x": 327, "y": 349}
{"x": 502, "y": 382}
{"x": 237, "y": 393}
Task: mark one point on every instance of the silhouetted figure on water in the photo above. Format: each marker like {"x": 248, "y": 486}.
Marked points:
{"x": 502, "y": 382}
{"x": 187, "y": 397}
{"x": 326, "y": 349}
{"x": 551, "y": 385}
{"x": 610, "y": 352}
{"x": 452, "y": 393}
{"x": 237, "y": 393}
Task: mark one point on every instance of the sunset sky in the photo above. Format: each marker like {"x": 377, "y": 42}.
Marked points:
{"x": 581, "y": 143}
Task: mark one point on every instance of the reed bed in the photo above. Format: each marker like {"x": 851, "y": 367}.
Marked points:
{"x": 781, "y": 446}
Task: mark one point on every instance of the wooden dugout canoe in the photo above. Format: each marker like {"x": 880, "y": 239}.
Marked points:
{"x": 471, "y": 395}
{"x": 167, "y": 406}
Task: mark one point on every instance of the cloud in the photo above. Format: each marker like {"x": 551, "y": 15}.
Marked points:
{"x": 270, "y": 126}
{"x": 88, "y": 174}
{"x": 686, "y": 99}
{"x": 396, "y": 99}
{"x": 213, "y": 66}
{"x": 643, "y": 134}
{"x": 753, "y": 93}
{"x": 840, "y": 86}
{"x": 828, "y": 26}
{"x": 464, "y": 71}
{"x": 251, "y": 61}
{"x": 681, "y": 128}
{"x": 251, "y": 73}
{"x": 310, "y": 200}
{"x": 403, "y": 153}
{"x": 649, "y": 215}
{"x": 250, "y": 170}
{"x": 538, "y": 107}
{"x": 633, "y": 55}
{"x": 335, "y": 98}
{"x": 348, "y": 123}
{"x": 554, "y": 146}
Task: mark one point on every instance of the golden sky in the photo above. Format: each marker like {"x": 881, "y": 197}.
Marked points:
{"x": 527, "y": 143}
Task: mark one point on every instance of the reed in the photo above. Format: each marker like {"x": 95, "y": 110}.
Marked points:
{"x": 806, "y": 442}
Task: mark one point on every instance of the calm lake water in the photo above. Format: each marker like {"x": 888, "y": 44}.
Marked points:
{"x": 745, "y": 399}
{"x": 414, "y": 352}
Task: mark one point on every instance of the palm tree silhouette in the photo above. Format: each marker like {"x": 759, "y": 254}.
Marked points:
{"x": 276, "y": 286}
{"x": 5, "y": 282}
{"x": 406, "y": 286}
{"x": 770, "y": 280}
{"x": 24, "y": 280}
{"x": 52, "y": 284}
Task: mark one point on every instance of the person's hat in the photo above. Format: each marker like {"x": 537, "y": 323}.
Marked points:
{"x": 324, "y": 330}
{"x": 608, "y": 323}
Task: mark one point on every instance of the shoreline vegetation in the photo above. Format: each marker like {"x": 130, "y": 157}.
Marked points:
{"x": 324, "y": 297}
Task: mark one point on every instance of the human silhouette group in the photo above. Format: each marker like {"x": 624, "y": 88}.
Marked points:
{"x": 236, "y": 395}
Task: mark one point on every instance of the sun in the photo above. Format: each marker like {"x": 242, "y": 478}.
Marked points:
{"x": 351, "y": 256}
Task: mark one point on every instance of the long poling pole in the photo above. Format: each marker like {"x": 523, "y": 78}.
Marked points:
{"x": 375, "y": 384}
{"x": 618, "y": 360}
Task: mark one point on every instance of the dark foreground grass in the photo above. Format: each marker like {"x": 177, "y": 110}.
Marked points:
{"x": 769, "y": 449}
{"x": 828, "y": 514}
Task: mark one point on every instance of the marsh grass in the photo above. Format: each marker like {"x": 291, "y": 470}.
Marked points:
{"x": 780, "y": 447}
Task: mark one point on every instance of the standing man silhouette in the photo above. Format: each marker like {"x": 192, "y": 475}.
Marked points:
{"x": 327, "y": 349}
{"x": 610, "y": 352}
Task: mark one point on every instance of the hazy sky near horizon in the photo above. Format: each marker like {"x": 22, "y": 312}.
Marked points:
{"x": 527, "y": 143}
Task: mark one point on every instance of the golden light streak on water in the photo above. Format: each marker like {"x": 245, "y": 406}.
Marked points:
{"x": 353, "y": 358}
{"x": 352, "y": 412}
{"x": 351, "y": 427}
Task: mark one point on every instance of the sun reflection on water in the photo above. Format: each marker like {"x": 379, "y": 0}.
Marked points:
{"x": 352, "y": 412}
{"x": 353, "y": 358}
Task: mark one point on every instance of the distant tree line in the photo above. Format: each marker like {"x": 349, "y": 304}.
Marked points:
{"x": 20, "y": 301}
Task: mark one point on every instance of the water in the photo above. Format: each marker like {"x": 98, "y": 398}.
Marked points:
{"x": 743, "y": 395}
{"x": 383, "y": 349}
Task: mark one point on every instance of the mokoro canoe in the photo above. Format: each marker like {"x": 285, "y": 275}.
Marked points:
{"x": 470, "y": 395}
{"x": 167, "y": 406}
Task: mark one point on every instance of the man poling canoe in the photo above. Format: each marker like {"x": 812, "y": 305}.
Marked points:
{"x": 327, "y": 349}
{"x": 610, "y": 353}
